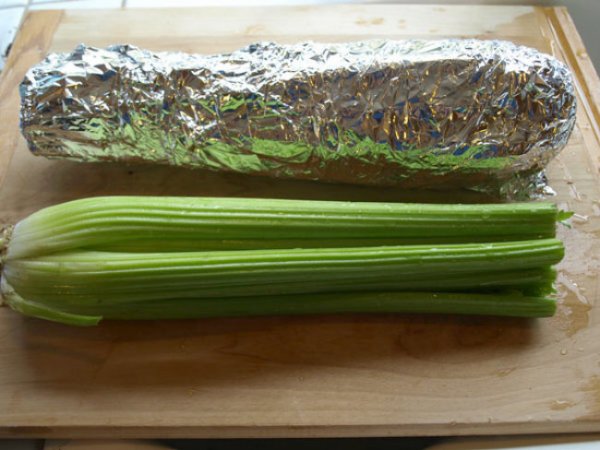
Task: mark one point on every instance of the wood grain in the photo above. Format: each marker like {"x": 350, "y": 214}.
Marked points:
{"x": 321, "y": 376}
{"x": 29, "y": 47}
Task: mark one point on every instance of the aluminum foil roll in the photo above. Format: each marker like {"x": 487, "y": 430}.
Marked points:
{"x": 413, "y": 114}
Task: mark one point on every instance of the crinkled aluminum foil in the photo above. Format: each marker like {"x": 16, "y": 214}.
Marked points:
{"x": 413, "y": 114}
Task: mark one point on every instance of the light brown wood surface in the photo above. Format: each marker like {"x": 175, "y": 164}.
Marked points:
{"x": 321, "y": 376}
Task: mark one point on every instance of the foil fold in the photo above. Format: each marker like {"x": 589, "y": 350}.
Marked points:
{"x": 476, "y": 114}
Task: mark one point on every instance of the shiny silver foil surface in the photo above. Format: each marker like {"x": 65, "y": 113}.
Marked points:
{"x": 485, "y": 115}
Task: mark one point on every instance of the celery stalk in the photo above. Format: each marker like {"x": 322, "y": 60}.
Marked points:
{"x": 94, "y": 277}
{"x": 166, "y": 257}
{"x": 160, "y": 224}
{"x": 506, "y": 304}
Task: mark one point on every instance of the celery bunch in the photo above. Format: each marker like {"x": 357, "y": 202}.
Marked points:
{"x": 177, "y": 257}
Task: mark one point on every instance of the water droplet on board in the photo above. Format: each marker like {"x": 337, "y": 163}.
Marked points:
{"x": 573, "y": 311}
{"x": 559, "y": 405}
{"x": 579, "y": 218}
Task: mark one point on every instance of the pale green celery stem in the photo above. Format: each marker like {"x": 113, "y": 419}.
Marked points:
{"x": 511, "y": 305}
{"x": 538, "y": 281}
{"x": 117, "y": 277}
{"x": 385, "y": 302}
{"x": 42, "y": 311}
{"x": 98, "y": 222}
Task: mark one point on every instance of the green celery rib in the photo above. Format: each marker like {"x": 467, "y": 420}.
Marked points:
{"x": 364, "y": 302}
{"x": 161, "y": 224}
{"x": 534, "y": 282}
{"x": 41, "y": 311}
{"x": 96, "y": 277}
{"x": 512, "y": 305}
{"x": 184, "y": 245}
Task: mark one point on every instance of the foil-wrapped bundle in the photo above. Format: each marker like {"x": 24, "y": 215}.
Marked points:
{"x": 414, "y": 114}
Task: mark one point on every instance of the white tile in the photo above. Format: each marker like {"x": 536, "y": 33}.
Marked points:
{"x": 200, "y": 3}
{"x": 10, "y": 19}
{"x": 53, "y": 1}
{"x": 541, "y": 442}
{"x": 11, "y": 3}
{"x": 83, "y": 4}
{"x": 50, "y": 1}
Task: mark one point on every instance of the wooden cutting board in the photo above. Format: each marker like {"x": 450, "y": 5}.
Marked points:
{"x": 321, "y": 376}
